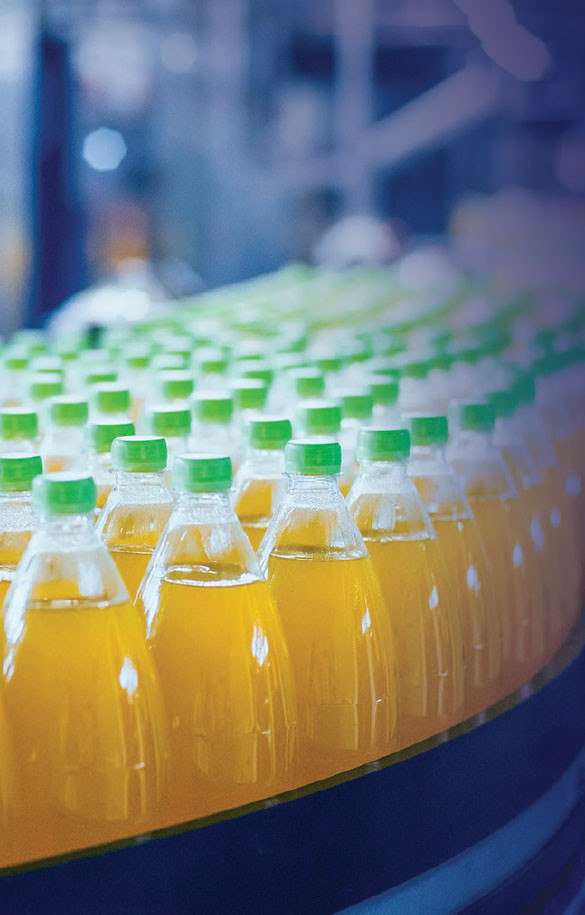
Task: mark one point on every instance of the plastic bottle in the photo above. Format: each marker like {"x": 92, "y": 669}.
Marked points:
{"x": 466, "y": 560}
{"x": 212, "y": 430}
{"x": 64, "y": 445}
{"x": 308, "y": 383}
{"x": 40, "y": 388}
{"x": 19, "y": 429}
{"x": 110, "y": 401}
{"x": 100, "y": 437}
{"x": 14, "y": 366}
{"x": 138, "y": 507}
{"x": 136, "y": 376}
{"x": 334, "y": 617}
{"x": 81, "y": 693}
{"x": 318, "y": 420}
{"x": 260, "y": 482}
{"x": 547, "y": 563}
{"x": 219, "y": 649}
{"x": 493, "y": 497}
{"x": 173, "y": 423}
{"x": 17, "y": 522}
{"x": 174, "y": 386}
{"x": 417, "y": 588}
{"x": 559, "y": 509}
{"x": 250, "y": 395}
{"x": 385, "y": 393}
{"x": 356, "y": 411}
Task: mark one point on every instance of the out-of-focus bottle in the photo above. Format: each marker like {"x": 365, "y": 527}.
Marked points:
{"x": 17, "y": 522}
{"x": 64, "y": 445}
{"x": 100, "y": 437}
{"x": 19, "y": 429}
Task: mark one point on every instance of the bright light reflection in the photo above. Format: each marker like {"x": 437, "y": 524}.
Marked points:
{"x": 536, "y": 534}
{"x": 104, "y": 149}
{"x": 178, "y": 52}
{"x": 472, "y": 579}
{"x": 366, "y": 621}
{"x": 259, "y": 645}
{"x": 128, "y": 677}
{"x": 518, "y": 556}
{"x": 434, "y": 599}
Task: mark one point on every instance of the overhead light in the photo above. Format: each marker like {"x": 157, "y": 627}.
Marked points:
{"x": 178, "y": 52}
{"x": 104, "y": 149}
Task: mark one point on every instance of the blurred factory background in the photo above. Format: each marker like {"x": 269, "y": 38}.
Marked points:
{"x": 216, "y": 139}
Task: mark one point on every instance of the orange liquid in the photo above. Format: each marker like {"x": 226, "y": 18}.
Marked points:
{"x": 12, "y": 546}
{"x": 427, "y": 635}
{"x": 9, "y": 798}
{"x": 226, "y": 682}
{"x": 254, "y": 507}
{"x": 87, "y": 724}
{"x": 131, "y": 534}
{"x": 503, "y": 530}
{"x": 472, "y": 578}
{"x": 342, "y": 654}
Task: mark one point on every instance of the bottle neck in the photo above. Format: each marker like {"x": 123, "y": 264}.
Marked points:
{"x": 393, "y": 474}
{"x": 126, "y": 479}
{"x": 202, "y": 505}
{"x": 265, "y": 461}
{"x": 322, "y": 486}
{"x": 74, "y": 525}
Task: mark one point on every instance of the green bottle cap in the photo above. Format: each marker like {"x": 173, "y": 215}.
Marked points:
{"x": 18, "y": 422}
{"x": 504, "y": 401}
{"x": 212, "y": 407}
{"x": 374, "y": 444}
{"x": 138, "y": 357}
{"x": 169, "y": 420}
{"x": 110, "y": 397}
{"x": 17, "y": 471}
{"x": 163, "y": 362}
{"x": 308, "y": 382}
{"x": 202, "y": 473}
{"x": 525, "y": 388}
{"x": 416, "y": 369}
{"x": 386, "y": 369}
{"x": 16, "y": 362}
{"x": 175, "y": 384}
{"x": 319, "y": 417}
{"x": 269, "y": 432}
{"x": 428, "y": 430}
{"x": 329, "y": 363}
{"x": 249, "y": 394}
{"x": 139, "y": 453}
{"x": 441, "y": 362}
{"x": 103, "y": 433}
{"x": 100, "y": 376}
{"x": 356, "y": 405}
{"x": 385, "y": 391}
{"x": 210, "y": 362}
{"x": 63, "y": 494}
{"x": 312, "y": 458}
{"x": 259, "y": 370}
{"x": 476, "y": 417}
{"x": 66, "y": 410}
{"x": 45, "y": 385}
{"x": 47, "y": 364}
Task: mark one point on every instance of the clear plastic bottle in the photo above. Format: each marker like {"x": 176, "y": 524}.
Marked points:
{"x": 64, "y": 445}
{"x": 545, "y": 556}
{"x": 307, "y": 383}
{"x": 41, "y": 387}
{"x": 19, "y": 430}
{"x": 138, "y": 507}
{"x": 110, "y": 401}
{"x": 318, "y": 420}
{"x": 173, "y": 423}
{"x": 494, "y": 500}
{"x": 14, "y": 368}
{"x": 465, "y": 556}
{"x": 100, "y": 437}
{"x": 17, "y": 522}
{"x": 334, "y": 617}
{"x": 81, "y": 693}
{"x": 219, "y": 649}
{"x": 356, "y": 411}
{"x": 250, "y": 396}
{"x": 385, "y": 392}
{"x": 260, "y": 482}
{"x": 135, "y": 374}
{"x": 174, "y": 386}
{"x": 418, "y": 590}
{"x": 212, "y": 431}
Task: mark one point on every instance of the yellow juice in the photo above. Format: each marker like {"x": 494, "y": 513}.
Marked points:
{"x": 224, "y": 671}
{"x": 471, "y": 575}
{"x": 131, "y": 534}
{"x": 87, "y": 724}
{"x": 9, "y": 807}
{"x": 427, "y": 635}
{"x": 103, "y": 491}
{"x": 12, "y": 546}
{"x": 254, "y": 509}
{"x": 340, "y": 643}
{"x": 502, "y": 527}
{"x": 52, "y": 463}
